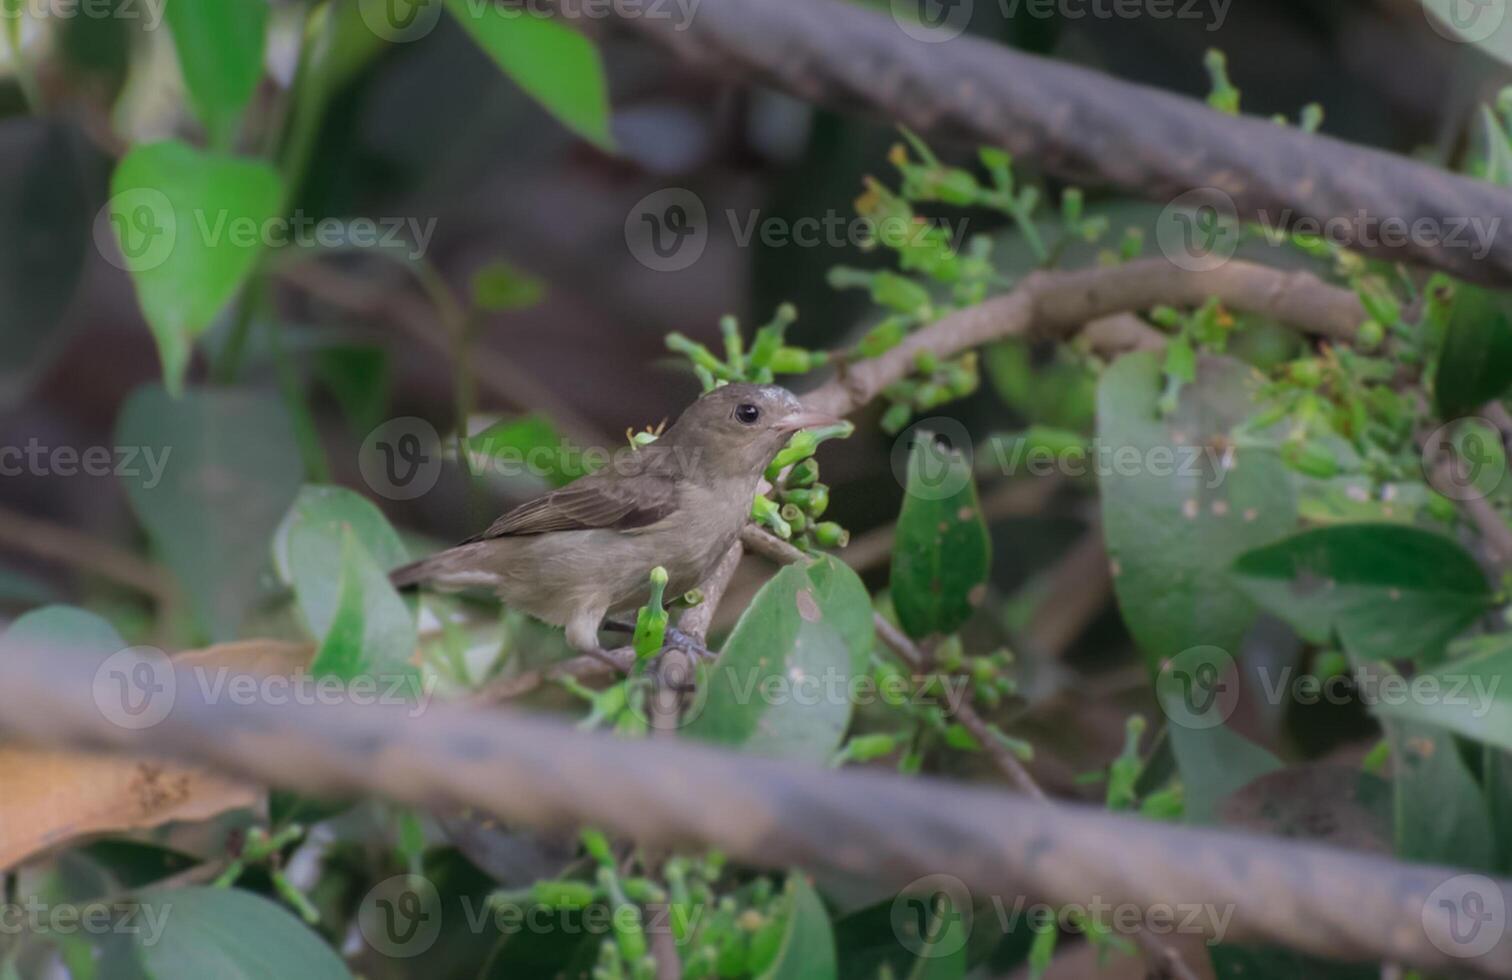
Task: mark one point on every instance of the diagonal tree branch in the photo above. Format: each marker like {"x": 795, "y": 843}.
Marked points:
{"x": 1083, "y": 126}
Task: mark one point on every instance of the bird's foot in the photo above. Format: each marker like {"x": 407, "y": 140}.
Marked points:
{"x": 676, "y": 639}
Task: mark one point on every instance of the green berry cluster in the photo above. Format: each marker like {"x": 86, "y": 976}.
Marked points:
{"x": 798, "y": 500}
{"x": 923, "y": 703}
{"x": 934, "y": 383}
{"x": 769, "y": 354}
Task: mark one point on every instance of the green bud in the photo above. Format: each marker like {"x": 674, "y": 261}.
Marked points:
{"x": 1310, "y": 458}
{"x": 931, "y": 395}
{"x": 700, "y": 963}
{"x": 1071, "y": 206}
{"x": 597, "y": 846}
{"x": 954, "y": 186}
{"x": 925, "y": 362}
{"x": 1441, "y": 507}
{"x": 794, "y": 360}
{"x": 793, "y": 514}
{"x": 643, "y": 890}
{"x": 1370, "y": 334}
{"x": 813, "y": 501}
{"x": 865, "y": 748}
{"x": 804, "y": 473}
{"x": 699, "y": 354}
{"x": 563, "y": 894}
{"x": 1307, "y": 372}
{"x": 883, "y": 337}
{"x": 950, "y": 653}
{"x": 896, "y": 292}
{"x": 831, "y": 535}
{"x": 896, "y": 418}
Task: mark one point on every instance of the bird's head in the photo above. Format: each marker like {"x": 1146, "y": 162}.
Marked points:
{"x": 735, "y": 430}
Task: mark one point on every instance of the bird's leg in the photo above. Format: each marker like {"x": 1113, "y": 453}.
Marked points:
{"x": 672, "y": 639}
{"x": 582, "y": 636}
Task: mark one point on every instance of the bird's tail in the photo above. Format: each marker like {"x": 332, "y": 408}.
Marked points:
{"x": 413, "y": 574}
{"x": 452, "y": 570}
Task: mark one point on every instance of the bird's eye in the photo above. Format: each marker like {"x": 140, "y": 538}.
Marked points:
{"x": 747, "y": 414}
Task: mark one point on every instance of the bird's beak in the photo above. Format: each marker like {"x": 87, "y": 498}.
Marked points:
{"x": 805, "y": 420}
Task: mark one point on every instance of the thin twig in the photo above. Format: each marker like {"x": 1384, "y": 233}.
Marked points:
{"x": 1056, "y": 304}
{"x": 503, "y": 378}
{"x": 66, "y": 546}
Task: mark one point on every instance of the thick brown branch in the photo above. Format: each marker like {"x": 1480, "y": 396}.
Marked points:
{"x": 1086, "y": 127}
{"x": 889, "y": 829}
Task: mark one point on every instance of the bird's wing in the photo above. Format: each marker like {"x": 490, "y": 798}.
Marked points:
{"x": 621, "y": 503}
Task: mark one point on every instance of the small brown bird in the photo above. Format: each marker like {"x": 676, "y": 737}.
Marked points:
{"x": 576, "y": 555}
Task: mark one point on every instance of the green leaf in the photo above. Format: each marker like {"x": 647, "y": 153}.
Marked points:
{"x": 500, "y": 286}
{"x": 371, "y": 631}
{"x": 359, "y": 378}
{"x": 307, "y": 547}
{"x": 1441, "y": 816}
{"x": 557, "y": 66}
{"x": 229, "y": 934}
{"x": 1464, "y": 696}
{"x": 1475, "y": 362}
{"x": 1386, "y": 590}
{"x": 211, "y": 476}
{"x": 529, "y": 446}
{"x": 335, "y": 548}
{"x": 808, "y": 945}
{"x": 190, "y": 226}
{"x": 220, "y": 52}
{"x": 942, "y": 551}
{"x": 1215, "y": 762}
{"x": 1179, "y": 503}
{"x": 67, "y": 628}
{"x": 781, "y": 686}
